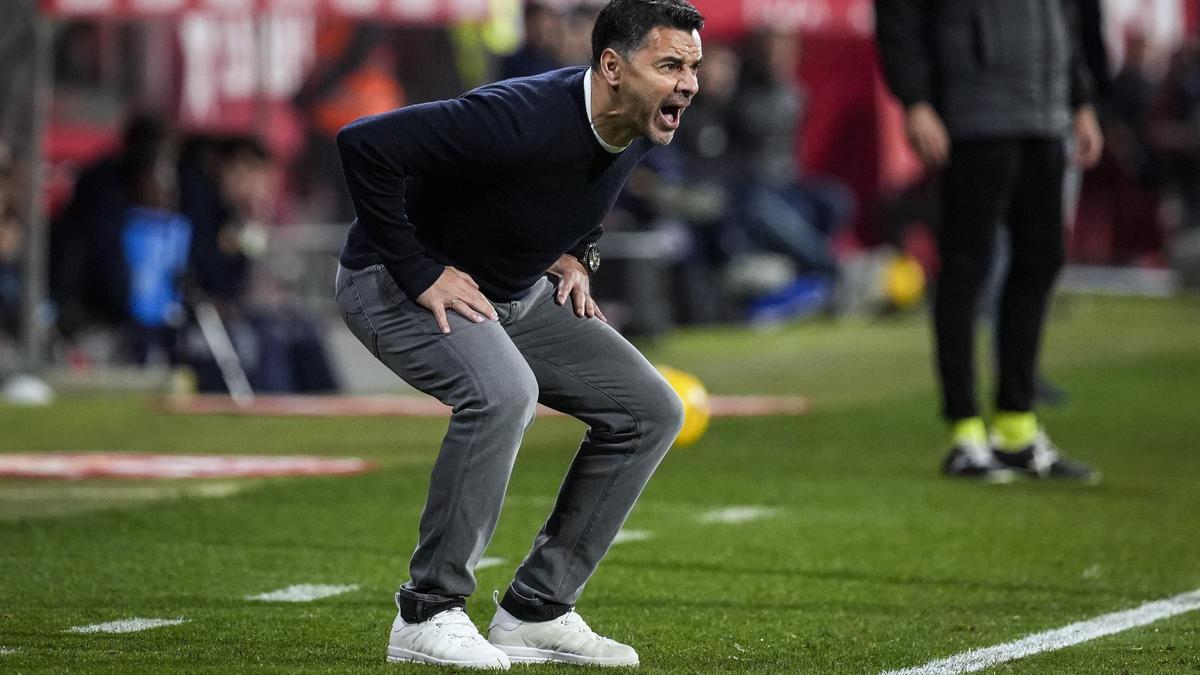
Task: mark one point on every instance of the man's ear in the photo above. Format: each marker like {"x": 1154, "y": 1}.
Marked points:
{"x": 611, "y": 67}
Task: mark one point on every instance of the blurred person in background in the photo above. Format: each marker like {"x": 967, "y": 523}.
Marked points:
{"x": 544, "y": 33}
{"x": 650, "y": 286}
{"x": 991, "y": 89}
{"x": 1127, "y": 107}
{"x": 119, "y": 249}
{"x": 778, "y": 207}
{"x": 575, "y": 48}
{"x": 154, "y": 243}
{"x": 355, "y": 75}
{"x": 710, "y": 178}
{"x": 1175, "y": 130}
{"x": 466, "y": 210}
{"x": 12, "y": 239}
{"x": 12, "y": 236}
{"x": 227, "y": 185}
{"x": 1130, "y": 175}
{"x": 704, "y": 142}
{"x": 224, "y": 186}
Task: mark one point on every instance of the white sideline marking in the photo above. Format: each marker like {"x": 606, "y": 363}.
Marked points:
{"x": 143, "y": 492}
{"x": 488, "y": 561}
{"x": 303, "y": 593}
{"x": 7, "y": 650}
{"x": 624, "y": 536}
{"x": 738, "y": 514}
{"x": 1058, "y": 638}
{"x": 133, "y": 625}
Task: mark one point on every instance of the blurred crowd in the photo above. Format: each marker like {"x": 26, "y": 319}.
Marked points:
{"x": 12, "y": 241}
{"x": 170, "y": 221}
{"x": 161, "y": 228}
{"x": 1149, "y": 180}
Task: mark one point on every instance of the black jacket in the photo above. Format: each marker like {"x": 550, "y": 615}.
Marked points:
{"x": 991, "y": 68}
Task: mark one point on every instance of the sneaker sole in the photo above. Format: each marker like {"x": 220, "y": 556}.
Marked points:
{"x": 402, "y": 655}
{"x": 534, "y": 655}
{"x": 1093, "y": 478}
{"x": 1000, "y": 477}
{"x": 993, "y": 477}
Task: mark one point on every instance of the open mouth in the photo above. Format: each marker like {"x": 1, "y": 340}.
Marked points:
{"x": 671, "y": 115}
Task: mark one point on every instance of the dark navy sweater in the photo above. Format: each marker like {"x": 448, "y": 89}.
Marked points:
{"x": 498, "y": 183}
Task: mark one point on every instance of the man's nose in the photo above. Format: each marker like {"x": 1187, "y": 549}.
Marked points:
{"x": 688, "y": 84}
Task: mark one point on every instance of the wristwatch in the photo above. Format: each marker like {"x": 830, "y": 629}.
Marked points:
{"x": 589, "y": 255}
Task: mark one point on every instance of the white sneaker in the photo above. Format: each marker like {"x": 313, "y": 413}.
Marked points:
{"x": 445, "y": 639}
{"x": 566, "y": 639}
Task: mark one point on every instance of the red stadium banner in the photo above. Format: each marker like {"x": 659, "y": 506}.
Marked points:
{"x": 406, "y": 11}
{"x": 726, "y": 19}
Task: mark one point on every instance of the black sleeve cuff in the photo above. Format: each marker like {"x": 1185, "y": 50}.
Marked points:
{"x": 415, "y": 281}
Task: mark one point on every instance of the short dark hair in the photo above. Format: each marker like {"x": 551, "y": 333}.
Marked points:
{"x": 624, "y": 24}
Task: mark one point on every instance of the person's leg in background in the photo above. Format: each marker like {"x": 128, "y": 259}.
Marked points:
{"x": 1045, "y": 392}
{"x": 1035, "y": 225}
{"x": 976, "y": 188}
{"x": 308, "y": 359}
{"x": 826, "y": 202}
{"x": 771, "y": 220}
{"x": 827, "y": 205}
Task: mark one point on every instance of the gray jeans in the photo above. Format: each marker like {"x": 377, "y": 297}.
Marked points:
{"x": 492, "y": 374}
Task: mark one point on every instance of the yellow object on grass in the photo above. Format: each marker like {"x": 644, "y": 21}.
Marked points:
{"x": 696, "y": 410}
{"x": 903, "y": 281}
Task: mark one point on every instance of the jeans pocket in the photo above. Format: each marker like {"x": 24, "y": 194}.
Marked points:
{"x": 347, "y": 298}
{"x": 355, "y": 315}
{"x": 388, "y": 289}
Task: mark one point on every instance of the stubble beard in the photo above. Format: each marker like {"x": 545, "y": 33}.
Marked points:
{"x": 656, "y": 135}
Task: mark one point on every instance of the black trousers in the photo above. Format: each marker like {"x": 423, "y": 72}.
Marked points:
{"x": 1017, "y": 182}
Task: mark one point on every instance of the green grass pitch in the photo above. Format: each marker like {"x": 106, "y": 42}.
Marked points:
{"x": 870, "y": 562}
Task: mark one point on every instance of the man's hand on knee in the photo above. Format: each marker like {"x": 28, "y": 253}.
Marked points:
{"x": 575, "y": 282}
{"x": 457, "y": 291}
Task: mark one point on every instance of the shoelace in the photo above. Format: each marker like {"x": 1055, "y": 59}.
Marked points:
{"x": 573, "y": 620}
{"x": 465, "y": 632}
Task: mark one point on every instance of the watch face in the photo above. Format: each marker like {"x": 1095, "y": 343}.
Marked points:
{"x": 591, "y": 257}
